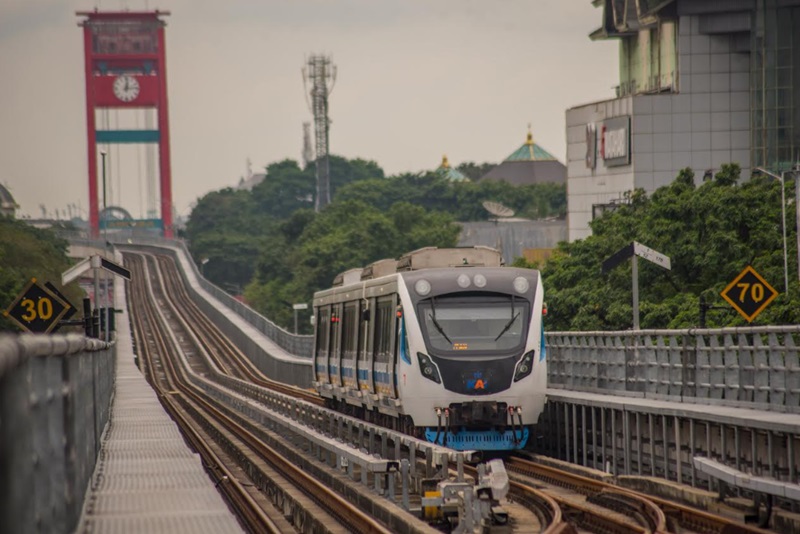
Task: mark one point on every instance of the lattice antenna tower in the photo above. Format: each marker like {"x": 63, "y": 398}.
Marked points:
{"x": 318, "y": 72}
{"x": 308, "y": 152}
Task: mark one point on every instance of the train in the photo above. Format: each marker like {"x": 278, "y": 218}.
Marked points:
{"x": 446, "y": 344}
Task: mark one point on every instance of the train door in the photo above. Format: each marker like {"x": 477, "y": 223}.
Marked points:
{"x": 349, "y": 343}
{"x": 335, "y": 360}
{"x": 365, "y": 336}
{"x": 322, "y": 344}
{"x": 384, "y": 345}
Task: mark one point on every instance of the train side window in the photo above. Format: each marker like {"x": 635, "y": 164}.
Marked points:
{"x": 349, "y": 332}
{"x": 323, "y": 328}
{"x": 383, "y": 330}
{"x": 336, "y": 330}
{"x": 365, "y": 330}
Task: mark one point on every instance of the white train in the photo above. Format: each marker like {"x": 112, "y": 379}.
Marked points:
{"x": 445, "y": 344}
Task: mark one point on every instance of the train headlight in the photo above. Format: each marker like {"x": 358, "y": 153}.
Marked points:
{"x": 480, "y": 280}
{"x": 463, "y": 281}
{"x": 524, "y": 367}
{"x": 428, "y": 368}
{"x": 422, "y": 287}
{"x": 521, "y": 285}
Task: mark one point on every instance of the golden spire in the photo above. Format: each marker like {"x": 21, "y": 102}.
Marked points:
{"x": 530, "y": 136}
{"x": 445, "y": 163}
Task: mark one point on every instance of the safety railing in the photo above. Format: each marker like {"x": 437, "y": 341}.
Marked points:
{"x": 755, "y": 367}
{"x": 55, "y": 393}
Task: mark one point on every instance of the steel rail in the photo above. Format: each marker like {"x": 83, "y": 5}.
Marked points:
{"x": 644, "y": 511}
{"x": 218, "y": 343}
{"x": 686, "y": 516}
{"x": 249, "y": 511}
{"x": 329, "y": 500}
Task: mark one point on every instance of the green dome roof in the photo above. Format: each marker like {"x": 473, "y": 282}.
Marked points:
{"x": 530, "y": 151}
{"x": 454, "y": 175}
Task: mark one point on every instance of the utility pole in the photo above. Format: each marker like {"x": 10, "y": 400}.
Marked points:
{"x": 318, "y": 71}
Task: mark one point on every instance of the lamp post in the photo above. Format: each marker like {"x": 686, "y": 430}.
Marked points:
{"x": 783, "y": 225}
{"x": 203, "y": 267}
{"x": 105, "y": 244}
{"x": 295, "y": 307}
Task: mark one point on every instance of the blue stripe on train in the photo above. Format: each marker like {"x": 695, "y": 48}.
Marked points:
{"x": 543, "y": 349}
{"x": 480, "y": 440}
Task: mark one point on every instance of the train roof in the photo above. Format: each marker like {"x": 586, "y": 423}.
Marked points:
{"x": 423, "y": 258}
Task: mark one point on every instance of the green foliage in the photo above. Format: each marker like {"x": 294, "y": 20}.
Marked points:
{"x": 343, "y": 236}
{"x": 270, "y": 241}
{"x": 224, "y": 229}
{"x": 27, "y": 252}
{"x": 464, "y": 200}
{"x": 710, "y": 232}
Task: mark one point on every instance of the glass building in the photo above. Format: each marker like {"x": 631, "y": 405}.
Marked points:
{"x": 702, "y": 83}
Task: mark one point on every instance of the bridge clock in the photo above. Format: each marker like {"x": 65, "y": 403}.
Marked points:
{"x": 126, "y": 88}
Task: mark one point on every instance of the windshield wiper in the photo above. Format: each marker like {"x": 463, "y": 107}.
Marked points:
{"x": 507, "y": 326}
{"x": 509, "y": 323}
{"x": 436, "y": 323}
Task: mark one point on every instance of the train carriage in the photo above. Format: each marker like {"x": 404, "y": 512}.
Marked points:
{"x": 446, "y": 344}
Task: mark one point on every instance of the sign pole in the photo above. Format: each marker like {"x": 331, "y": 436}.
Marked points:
{"x": 797, "y": 215}
{"x": 97, "y": 289}
{"x": 108, "y": 305}
{"x": 633, "y": 251}
{"x": 635, "y": 283}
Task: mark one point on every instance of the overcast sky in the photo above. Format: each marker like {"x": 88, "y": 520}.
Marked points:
{"x": 416, "y": 79}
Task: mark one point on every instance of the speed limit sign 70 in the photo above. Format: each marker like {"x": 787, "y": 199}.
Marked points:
{"x": 749, "y": 293}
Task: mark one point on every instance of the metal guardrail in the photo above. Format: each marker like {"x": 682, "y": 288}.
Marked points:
{"x": 754, "y": 367}
{"x": 55, "y": 394}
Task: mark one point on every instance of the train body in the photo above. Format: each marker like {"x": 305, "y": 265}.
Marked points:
{"x": 445, "y": 344}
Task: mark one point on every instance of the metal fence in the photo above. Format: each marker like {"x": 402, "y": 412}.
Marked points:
{"x": 55, "y": 394}
{"x": 756, "y": 367}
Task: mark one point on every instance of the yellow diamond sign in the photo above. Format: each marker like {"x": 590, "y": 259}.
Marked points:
{"x": 749, "y": 293}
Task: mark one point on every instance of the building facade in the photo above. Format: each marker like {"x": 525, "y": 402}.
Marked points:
{"x": 702, "y": 83}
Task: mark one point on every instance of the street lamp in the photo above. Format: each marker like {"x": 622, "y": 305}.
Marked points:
{"x": 105, "y": 243}
{"x": 295, "y": 307}
{"x": 203, "y": 267}
{"x": 105, "y": 215}
{"x": 783, "y": 224}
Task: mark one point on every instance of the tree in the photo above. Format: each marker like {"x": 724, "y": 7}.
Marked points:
{"x": 224, "y": 228}
{"x": 710, "y": 232}
{"x": 345, "y": 235}
{"x": 474, "y": 171}
{"x": 27, "y": 252}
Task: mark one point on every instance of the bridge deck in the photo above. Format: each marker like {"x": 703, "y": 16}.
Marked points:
{"x": 147, "y": 479}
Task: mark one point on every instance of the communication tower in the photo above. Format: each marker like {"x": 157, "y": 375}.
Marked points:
{"x": 318, "y": 72}
{"x": 308, "y": 152}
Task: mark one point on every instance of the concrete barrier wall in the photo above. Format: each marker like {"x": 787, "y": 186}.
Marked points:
{"x": 55, "y": 395}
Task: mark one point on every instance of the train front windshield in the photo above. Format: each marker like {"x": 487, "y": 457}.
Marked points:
{"x": 471, "y": 324}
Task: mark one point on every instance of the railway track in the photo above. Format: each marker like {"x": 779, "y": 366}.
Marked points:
{"x": 653, "y": 514}
{"x": 556, "y": 502}
{"x": 155, "y": 336}
{"x": 226, "y": 354}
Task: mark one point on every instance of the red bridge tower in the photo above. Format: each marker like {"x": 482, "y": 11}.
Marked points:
{"x": 125, "y": 67}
